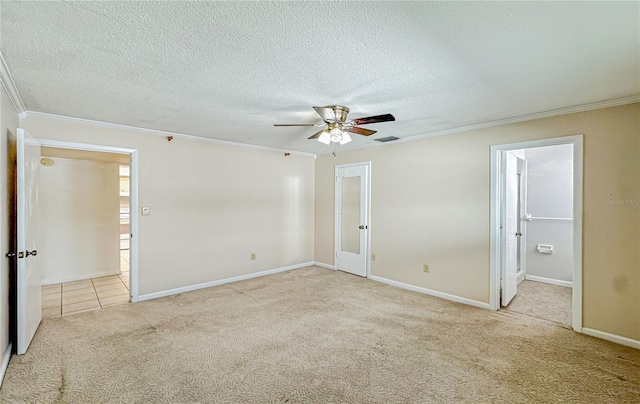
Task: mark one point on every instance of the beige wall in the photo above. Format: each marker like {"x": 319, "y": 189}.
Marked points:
{"x": 8, "y": 125}
{"x": 430, "y": 204}
{"x": 78, "y": 207}
{"x": 212, "y": 205}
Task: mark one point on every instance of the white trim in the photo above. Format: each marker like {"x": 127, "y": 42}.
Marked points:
{"x": 494, "y": 222}
{"x": 550, "y": 281}
{"x": 133, "y": 200}
{"x": 86, "y": 275}
{"x": 161, "y": 133}
{"x": 10, "y": 87}
{"x": 507, "y": 121}
{"x": 578, "y": 167}
{"x": 134, "y": 219}
{"x": 5, "y": 363}
{"x": 630, "y": 342}
{"x": 323, "y": 265}
{"x": 430, "y": 292}
{"x": 238, "y": 278}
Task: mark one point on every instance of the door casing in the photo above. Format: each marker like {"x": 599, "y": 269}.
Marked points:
{"x": 495, "y": 253}
{"x": 367, "y": 215}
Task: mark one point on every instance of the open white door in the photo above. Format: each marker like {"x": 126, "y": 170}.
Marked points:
{"x": 29, "y": 275}
{"x": 352, "y": 217}
{"x": 510, "y": 228}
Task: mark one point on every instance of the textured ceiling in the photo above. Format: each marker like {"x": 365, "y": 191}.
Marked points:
{"x": 230, "y": 70}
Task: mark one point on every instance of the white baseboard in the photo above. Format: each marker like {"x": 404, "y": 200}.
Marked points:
{"x": 85, "y": 275}
{"x": 323, "y": 265}
{"x": 430, "y": 292}
{"x": 633, "y": 343}
{"x": 184, "y": 289}
{"x": 520, "y": 276}
{"x": 566, "y": 284}
{"x": 5, "y": 363}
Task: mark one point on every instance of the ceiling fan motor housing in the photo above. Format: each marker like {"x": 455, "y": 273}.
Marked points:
{"x": 340, "y": 112}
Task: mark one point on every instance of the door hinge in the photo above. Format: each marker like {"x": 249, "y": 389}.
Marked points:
{"x": 337, "y": 179}
{"x": 336, "y": 253}
{"x": 10, "y": 255}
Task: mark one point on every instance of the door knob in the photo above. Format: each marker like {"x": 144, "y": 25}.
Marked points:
{"x": 33, "y": 253}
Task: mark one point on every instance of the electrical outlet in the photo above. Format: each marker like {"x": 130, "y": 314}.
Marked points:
{"x": 253, "y": 256}
{"x": 373, "y": 257}
{"x": 425, "y": 267}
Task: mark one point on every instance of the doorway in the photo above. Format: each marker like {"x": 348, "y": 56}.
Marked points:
{"x": 352, "y": 233}
{"x": 81, "y": 197}
{"x": 25, "y": 292}
{"x": 536, "y": 229}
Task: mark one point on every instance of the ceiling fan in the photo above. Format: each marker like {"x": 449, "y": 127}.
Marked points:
{"x": 335, "y": 117}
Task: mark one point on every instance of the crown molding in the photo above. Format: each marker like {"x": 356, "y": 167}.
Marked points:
{"x": 160, "y": 132}
{"x": 10, "y": 87}
{"x": 507, "y": 121}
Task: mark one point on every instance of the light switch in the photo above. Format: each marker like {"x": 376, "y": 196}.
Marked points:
{"x": 145, "y": 211}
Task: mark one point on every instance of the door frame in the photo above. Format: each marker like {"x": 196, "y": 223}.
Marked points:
{"x": 495, "y": 254}
{"x": 336, "y": 210}
{"x": 133, "y": 200}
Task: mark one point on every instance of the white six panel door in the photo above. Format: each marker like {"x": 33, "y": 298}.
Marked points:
{"x": 352, "y": 225}
{"x": 29, "y": 275}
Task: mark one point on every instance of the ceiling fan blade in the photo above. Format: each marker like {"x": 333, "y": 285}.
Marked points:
{"x": 298, "y": 124}
{"x": 327, "y": 114}
{"x": 374, "y": 119}
{"x": 361, "y": 131}
{"x": 317, "y": 134}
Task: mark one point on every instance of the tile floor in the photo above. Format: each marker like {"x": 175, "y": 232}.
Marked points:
{"x": 91, "y": 294}
{"x": 542, "y": 300}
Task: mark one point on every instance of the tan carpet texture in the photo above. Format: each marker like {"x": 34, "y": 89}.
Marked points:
{"x": 315, "y": 336}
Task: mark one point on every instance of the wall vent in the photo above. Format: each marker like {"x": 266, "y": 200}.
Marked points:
{"x": 387, "y": 139}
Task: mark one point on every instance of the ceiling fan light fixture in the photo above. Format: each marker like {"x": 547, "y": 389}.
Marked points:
{"x": 336, "y": 135}
{"x": 325, "y": 137}
{"x": 345, "y": 138}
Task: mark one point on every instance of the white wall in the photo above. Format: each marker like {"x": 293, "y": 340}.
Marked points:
{"x": 212, "y": 205}
{"x": 550, "y": 181}
{"x": 78, "y": 207}
{"x": 8, "y": 125}
{"x": 550, "y": 195}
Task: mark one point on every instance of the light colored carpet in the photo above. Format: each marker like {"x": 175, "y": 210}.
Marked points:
{"x": 542, "y": 300}
{"x": 315, "y": 335}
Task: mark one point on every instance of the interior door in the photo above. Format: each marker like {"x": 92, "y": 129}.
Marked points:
{"x": 510, "y": 226}
{"x": 29, "y": 274}
{"x": 352, "y": 230}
